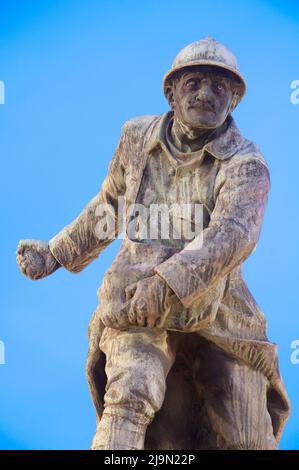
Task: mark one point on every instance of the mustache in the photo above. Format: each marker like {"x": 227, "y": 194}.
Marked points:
{"x": 203, "y": 104}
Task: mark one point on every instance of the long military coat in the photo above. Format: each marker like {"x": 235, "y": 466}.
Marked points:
{"x": 213, "y": 297}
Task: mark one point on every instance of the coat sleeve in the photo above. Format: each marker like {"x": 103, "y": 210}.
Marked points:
{"x": 80, "y": 242}
{"x": 241, "y": 193}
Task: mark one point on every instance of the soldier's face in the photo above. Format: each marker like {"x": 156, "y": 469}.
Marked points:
{"x": 202, "y": 97}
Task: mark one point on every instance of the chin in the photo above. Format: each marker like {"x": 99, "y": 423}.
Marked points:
{"x": 205, "y": 122}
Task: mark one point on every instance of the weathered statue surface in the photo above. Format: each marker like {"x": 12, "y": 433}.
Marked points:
{"x": 178, "y": 352}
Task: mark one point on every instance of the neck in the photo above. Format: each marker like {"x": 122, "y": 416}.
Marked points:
{"x": 188, "y": 138}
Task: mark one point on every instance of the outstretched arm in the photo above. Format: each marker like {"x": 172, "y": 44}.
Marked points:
{"x": 80, "y": 242}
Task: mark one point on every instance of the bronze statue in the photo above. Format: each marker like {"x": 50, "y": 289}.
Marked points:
{"x": 178, "y": 352}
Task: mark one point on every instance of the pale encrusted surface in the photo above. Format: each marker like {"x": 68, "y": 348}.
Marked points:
{"x": 205, "y": 279}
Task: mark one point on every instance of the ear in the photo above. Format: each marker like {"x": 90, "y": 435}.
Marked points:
{"x": 234, "y": 102}
{"x": 170, "y": 96}
{"x": 237, "y": 93}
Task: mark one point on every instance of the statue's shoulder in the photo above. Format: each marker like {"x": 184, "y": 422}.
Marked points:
{"x": 245, "y": 149}
{"x": 247, "y": 160}
{"x": 136, "y": 128}
{"x": 251, "y": 150}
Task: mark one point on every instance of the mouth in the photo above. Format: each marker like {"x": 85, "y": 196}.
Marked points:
{"x": 203, "y": 107}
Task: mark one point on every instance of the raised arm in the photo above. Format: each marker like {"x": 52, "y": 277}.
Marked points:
{"x": 241, "y": 194}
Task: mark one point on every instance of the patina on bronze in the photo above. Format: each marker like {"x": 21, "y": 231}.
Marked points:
{"x": 178, "y": 352}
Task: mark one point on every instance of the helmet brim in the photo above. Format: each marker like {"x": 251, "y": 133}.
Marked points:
{"x": 167, "y": 77}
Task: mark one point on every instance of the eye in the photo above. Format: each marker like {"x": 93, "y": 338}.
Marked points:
{"x": 219, "y": 86}
{"x": 191, "y": 83}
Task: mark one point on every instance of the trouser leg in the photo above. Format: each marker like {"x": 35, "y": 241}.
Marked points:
{"x": 235, "y": 399}
{"x": 137, "y": 363}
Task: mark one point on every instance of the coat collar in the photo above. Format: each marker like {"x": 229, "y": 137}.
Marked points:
{"x": 222, "y": 147}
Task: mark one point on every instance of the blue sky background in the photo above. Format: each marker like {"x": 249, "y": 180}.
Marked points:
{"x": 74, "y": 72}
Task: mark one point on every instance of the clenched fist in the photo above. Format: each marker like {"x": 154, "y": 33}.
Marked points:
{"x": 148, "y": 297}
{"x": 35, "y": 260}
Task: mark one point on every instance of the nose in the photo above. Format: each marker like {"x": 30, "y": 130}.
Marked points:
{"x": 204, "y": 91}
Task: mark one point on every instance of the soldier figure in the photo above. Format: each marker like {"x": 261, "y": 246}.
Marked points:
{"x": 178, "y": 352}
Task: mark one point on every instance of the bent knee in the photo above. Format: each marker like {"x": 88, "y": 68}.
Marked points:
{"x": 136, "y": 389}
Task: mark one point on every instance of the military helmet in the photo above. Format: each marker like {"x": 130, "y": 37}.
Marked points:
{"x": 207, "y": 51}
